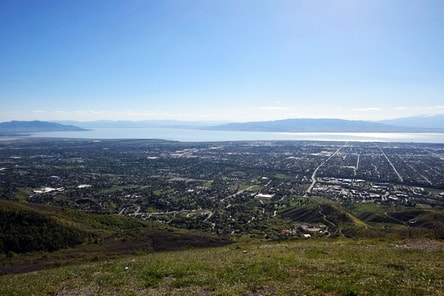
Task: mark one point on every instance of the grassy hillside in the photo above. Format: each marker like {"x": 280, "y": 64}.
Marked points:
{"x": 368, "y": 220}
{"x": 303, "y": 267}
{"x": 30, "y": 227}
{"x": 27, "y": 231}
{"x": 401, "y": 220}
{"x": 34, "y": 237}
{"x": 115, "y": 255}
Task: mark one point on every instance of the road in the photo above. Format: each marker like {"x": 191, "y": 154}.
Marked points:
{"x": 422, "y": 176}
{"x": 338, "y": 229}
{"x": 357, "y": 165}
{"x": 239, "y": 192}
{"x": 313, "y": 176}
{"x": 391, "y": 164}
{"x": 397, "y": 220}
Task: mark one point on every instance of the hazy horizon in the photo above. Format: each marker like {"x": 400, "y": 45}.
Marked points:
{"x": 215, "y": 121}
{"x": 233, "y": 61}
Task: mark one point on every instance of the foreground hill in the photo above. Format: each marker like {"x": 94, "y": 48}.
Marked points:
{"x": 303, "y": 267}
{"x": 29, "y": 227}
{"x": 35, "y": 236}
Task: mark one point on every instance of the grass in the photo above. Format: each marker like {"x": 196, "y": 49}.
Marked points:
{"x": 366, "y": 207}
{"x": 73, "y": 218}
{"x": 307, "y": 267}
{"x": 115, "y": 188}
{"x": 280, "y": 176}
{"x": 359, "y": 208}
{"x": 208, "y": 184}
{"x": 21, "y": 194}
{"x": 35, "y": 236}
{"x": 354, "y": 219}
{"x": 159, "y": 192}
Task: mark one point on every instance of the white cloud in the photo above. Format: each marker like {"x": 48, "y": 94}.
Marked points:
{"x": 431, "y": 108}
{"x": 401, "y": 108}
{"x": 273, "y": 108}
{"x": 368, "y": 109}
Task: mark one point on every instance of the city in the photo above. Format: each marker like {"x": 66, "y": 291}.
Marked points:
{"x": 234, "y": 188}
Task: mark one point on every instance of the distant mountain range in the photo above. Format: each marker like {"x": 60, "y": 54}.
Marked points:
{"x": 436, "y": 121}
{"x": 19, "y": 127}
{"x": 401, "y": 125}
{"x": 328, "y": 125}
{"x": 142, "y": 123}
{"x": 411, "y": 124}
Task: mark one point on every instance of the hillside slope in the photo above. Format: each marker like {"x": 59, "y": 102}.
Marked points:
{"x": 302, "y": 267}
{"x": 66, "y": 236}
{"x": 29, "y": 227}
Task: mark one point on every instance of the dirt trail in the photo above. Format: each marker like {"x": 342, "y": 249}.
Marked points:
{"x": 338, "y": 229}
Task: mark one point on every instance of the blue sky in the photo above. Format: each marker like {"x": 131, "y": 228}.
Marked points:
{"x": 220, "y": 60}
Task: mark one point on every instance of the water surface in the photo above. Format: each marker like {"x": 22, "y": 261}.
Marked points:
{"x": 195, "y": 135}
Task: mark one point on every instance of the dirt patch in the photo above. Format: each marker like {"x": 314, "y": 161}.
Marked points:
{"x": 426, "y": 245}
{"x": 78, "y": 291}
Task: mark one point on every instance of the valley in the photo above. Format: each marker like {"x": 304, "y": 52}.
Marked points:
{"x": 234, "y": 188}
{"x": 135, "y": 217}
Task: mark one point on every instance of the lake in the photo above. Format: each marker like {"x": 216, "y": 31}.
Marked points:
{"x": 195, "y": 135}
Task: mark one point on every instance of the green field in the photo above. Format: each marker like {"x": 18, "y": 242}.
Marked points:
{"x": 303, "y": 267}
{"x": 207, "y": 184}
